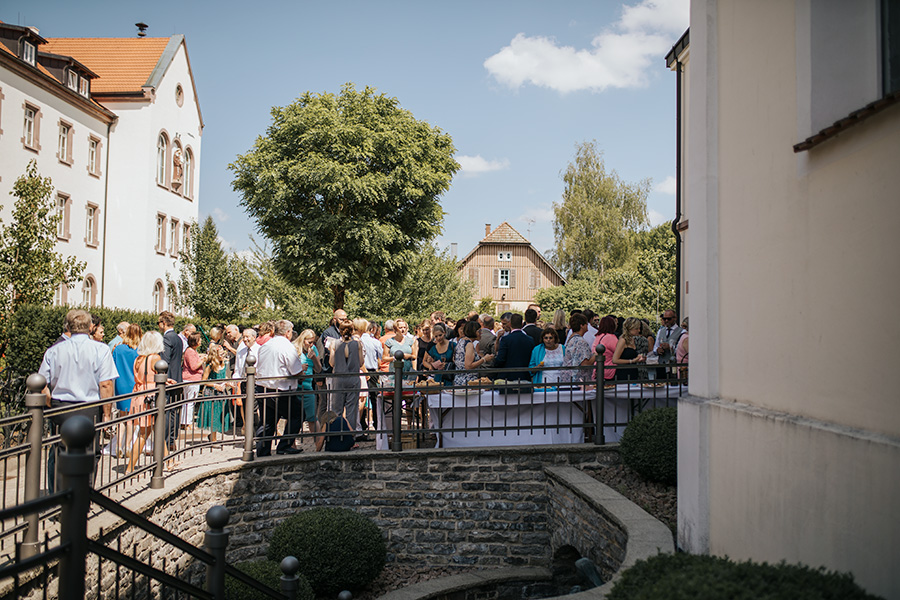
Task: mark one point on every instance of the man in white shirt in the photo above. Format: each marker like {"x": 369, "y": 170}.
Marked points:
{"x": 247, "y": 347}
{"x": 78, "y": 371}
{"x": 185, "y": 334}
{"x": 277, "y": 363}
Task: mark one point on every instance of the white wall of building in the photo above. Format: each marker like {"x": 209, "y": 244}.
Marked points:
{"x": 71, "y": 179}
{"x": 789, "y": 446}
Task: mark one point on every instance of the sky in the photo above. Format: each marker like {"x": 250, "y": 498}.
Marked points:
{"x": 516, "y": 83}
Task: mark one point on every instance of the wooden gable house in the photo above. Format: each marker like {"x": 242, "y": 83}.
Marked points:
{"x": 507, "y": 268}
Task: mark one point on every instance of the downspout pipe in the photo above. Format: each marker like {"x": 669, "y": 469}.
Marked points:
{"x": 105, "y": 216}
{"x": 678, "y": 186}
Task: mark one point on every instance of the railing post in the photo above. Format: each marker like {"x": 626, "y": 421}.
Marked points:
{"x": 216, "y": 542}
{"x": 35, "y": 401}
{"x": 75, "y": 467}
{"x": 599, "y": 437}
{"x": 396, "y": 444}
{"x": 157, "y": 481}
{"x": 249, "y": 408}
{"x": 290, "y": 583}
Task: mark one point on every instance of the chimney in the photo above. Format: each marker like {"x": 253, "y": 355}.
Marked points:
{"x": 453, "y": 247}
{"x": 487, "y": 229}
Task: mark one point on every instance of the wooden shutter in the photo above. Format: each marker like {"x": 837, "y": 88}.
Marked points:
{"x": 534, "y": 279}
{"x": 512, "y": 278}
{"x": 496, "y": 278}
{"x": 473, "y": 275}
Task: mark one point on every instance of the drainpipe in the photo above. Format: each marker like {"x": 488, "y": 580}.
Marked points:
{"x": 105, "y": 215}
{"x": 678, "y": 185}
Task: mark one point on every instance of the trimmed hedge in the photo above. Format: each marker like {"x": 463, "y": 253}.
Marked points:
{"x": 266, "y": 572}
{"x": 338, "y": 549}
{"x": 649, "y": 445}
{"x": 695, "y": 577}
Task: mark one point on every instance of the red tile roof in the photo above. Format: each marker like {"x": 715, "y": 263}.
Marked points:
{"x": 123, "y": 64}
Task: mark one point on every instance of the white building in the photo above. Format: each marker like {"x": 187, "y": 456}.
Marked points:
{"x": 789, "y": 442}
{"x": 115, "y": 123}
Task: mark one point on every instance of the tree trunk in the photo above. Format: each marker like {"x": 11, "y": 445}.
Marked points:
{"x": 339, "y": 293}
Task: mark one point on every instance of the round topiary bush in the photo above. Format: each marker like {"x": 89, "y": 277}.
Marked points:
{"x": 650, "y": 445}
{"x": 338, "y": 549}
{"x": 692, "y": 577}
{"x": 266, "y": 572}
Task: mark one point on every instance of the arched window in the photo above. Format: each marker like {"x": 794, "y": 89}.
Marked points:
{"x": 170, "y": 299}
{"x": 89, "y": 291}
{"x": 162, "y": 149}
{"x": 158, "y": 296}
{"x": 188, "y": 173}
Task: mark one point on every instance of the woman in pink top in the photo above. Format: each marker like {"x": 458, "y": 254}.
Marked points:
{"x": 191, "y": 370}
{"x": 606, "y": 336}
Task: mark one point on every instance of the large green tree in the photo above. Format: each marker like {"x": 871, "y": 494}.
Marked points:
{"x": 215, "y": 285}
{"x": 346, "y": 188}
{"x": 31, "y": 269}
{"x": 595, "y": 220}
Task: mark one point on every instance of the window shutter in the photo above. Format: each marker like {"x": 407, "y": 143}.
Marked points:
{"x": 473, "y": 275}
{"x": 534, "y": 279}
{"x": 496, "y": 278}
{"x": 512, "y": 278}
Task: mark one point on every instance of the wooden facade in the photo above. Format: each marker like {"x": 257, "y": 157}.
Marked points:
{"x": 507, "y": 268}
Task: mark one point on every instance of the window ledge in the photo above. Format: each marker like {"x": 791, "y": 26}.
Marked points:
{"x": 850, "y": 120}
{"x": 92, "y": 244}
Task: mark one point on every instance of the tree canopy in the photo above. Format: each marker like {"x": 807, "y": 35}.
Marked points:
{"x": 30, "y": 267}
{"x": 214, "y": 285}
{"x": 643, "y": 287}
{"x": 346, "y": 188}
{"x": 594, "y": 222}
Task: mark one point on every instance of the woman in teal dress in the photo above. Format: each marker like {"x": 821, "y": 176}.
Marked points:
{"x": 213, "y": 415}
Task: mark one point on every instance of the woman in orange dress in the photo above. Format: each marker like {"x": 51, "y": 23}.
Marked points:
{"x": 149, "y": 349}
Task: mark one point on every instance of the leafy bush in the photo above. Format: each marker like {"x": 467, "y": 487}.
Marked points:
{"x": 692, "y": 577}
{"x": 650, "y": 445}
{"x": 266, "y": 572}
{"x": 337, "y": 548}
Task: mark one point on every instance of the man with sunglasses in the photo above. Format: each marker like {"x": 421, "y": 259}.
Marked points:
{"x": 667, "y": 339}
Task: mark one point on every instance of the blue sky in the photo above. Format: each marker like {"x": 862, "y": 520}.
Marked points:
{"x": 515, "y": 83}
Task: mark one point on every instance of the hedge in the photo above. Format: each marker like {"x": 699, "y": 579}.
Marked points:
{"x": 649, "y": 445}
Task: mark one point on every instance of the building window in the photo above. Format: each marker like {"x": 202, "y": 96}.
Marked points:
{"x": 504, "y": 278}
{"x": 170, "y": 299}
{"x": 28, "y": 53}
{"x": 89, "y": 291}
{"x": 73, "y": 80}
{"x": 91, "y": 225}
{"x": 188, "y": 190}
{"x": 173, "y": 237}
{"x": 179, "y": 95}
{"x": 504, "y": 256}
{"x": 64, "y": 147}
{"x": 60, "y": 297}
{"x": 93, "y": 165}
{"x": 62, "y": 209}
{"x": 85, "y": 87}
{"x": 890, "y": 41}
{"x": 185, "y": 235}
{"x": 158, "y": 297}
{"x": 161, "y": 234}
{"x": 162, "y": 151}
{"x": 31, "y": 133}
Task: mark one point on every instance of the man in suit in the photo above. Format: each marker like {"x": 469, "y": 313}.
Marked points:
{"x": 531, "y": 329}
{"x": 667, "y": 340}
{"x": 172, "y": 354}
{"x": 514, "y": 350}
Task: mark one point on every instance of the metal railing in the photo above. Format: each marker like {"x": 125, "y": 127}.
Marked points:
{"x": 588, "y": 409}
{"x": 70, "y": 551}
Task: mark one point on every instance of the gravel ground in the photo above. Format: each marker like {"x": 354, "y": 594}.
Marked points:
{"x": 657, "y": 499}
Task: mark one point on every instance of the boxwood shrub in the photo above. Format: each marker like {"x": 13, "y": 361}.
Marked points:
{"x": 266, "y": 572}
{"x": 695, "y": 577}
{"x": 650, "y": 445}
{"x": 338, "y": 549}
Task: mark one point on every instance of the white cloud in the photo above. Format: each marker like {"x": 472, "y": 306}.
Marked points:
{"x": 471, "y": 166}
{"x": 657, "y": 218}
{"x": 220, "y": 215}
{"x": 666, "y": 186}
{"x": 226, "y": 245}
{"x": 620, "y": 57}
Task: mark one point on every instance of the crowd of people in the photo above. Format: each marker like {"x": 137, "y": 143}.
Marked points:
{"x": 355, "y": 352}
